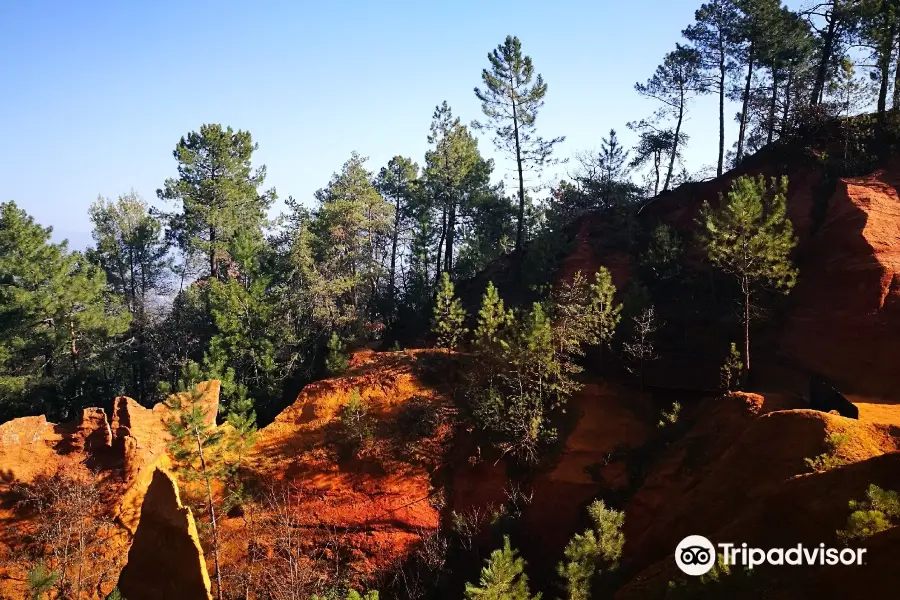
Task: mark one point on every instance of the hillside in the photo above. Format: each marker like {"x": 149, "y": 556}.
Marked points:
{"x": 386, "y": 513}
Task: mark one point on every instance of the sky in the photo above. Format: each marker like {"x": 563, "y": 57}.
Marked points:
{"x": 97, "y": 94}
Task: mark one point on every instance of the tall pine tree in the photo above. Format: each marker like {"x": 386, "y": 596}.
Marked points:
{"x": 218, "y": 191}
{"x": 511, "y": 98}
{"x": 750, "y": 238}
{"x": 58, "y": 322}
{"x": 674, "y": 81}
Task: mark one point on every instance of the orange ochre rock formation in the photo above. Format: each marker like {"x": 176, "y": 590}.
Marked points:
{"x": 736, "y": 473}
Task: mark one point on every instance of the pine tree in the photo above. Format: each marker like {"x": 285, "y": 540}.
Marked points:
{"x": 456, "y": 178}
{"x": 879, "y": 23}
{"x": 336, "y": 361}
{"x": 752, "y": 35}
{"x": 511, "y": 102}
{"x": 350, "y": 240}
{"x": 750, "y": 238}
{"x": 672, "y": 84}
{"x": 583, "y": 314}
{"x": 58, "y": 322}
{"x": 654, "y": 143}
{"x": 398, "y": 181}
{"x": 449, "y": 316}
{"x": 218, "y": 191}
{"x": 503, "y": 578}
{"x": 612, "y": 159}
{"x": 586, "y": 552}
{"x": 837, "y": 21}
{"x": 492, "y": 320}
{"x": 662, "y": 259}
{"x": 731, "y": 368}
{"x": 713, "y": 35}
{"x": 195, "y": 439}
{"x": 132, "y": 252}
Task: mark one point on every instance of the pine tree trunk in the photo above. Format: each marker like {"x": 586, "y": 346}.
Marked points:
{"x": 213, "y": 274}
{"x": 657, "y": 161}
{"x": 747, "y": 325}
{"x": 827, "y": 49}
{"x": 520, "y": 228}
{"x": 212, "y": 515}
{"x": 746, "y": 103}
{"x": 787, "y": 102}
{"x": 884, "y": 63}
{"x": 772, "y": 105}
{"x": 440, "y": 246}
{"x": 895, "y": 101}
{"x": 394, "y": 239}
{"x": 451, "y": 231}
{"x": 675, "y": 142}
{"x": 722, "y": 73}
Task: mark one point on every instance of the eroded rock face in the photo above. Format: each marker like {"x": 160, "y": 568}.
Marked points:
{"x": 740, "y": 475}
{"x": 382, "y": 500}
{"x": 123, "y": 457}
{"x": 845, "y": 315}
{"x": 165, "y": 561}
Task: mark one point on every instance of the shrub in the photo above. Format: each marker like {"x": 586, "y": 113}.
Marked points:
{"x": 449, "y": 316}
{"x": 878, "y": 512}
{"x": 418, "y": 418}
{"x": 72, "y": 526}
{"x": 356, "y": 424}
{"x": 722, "y": 581}
{"x": 731, "y": 369}
{"x": 588, "y": 551}
{"x": 336, "y": 361}
{"x": 671, "y": 417}
{"x": 829, "y": 460}
{"x": 41, "y": 580}
{"x": 503, "y": 578}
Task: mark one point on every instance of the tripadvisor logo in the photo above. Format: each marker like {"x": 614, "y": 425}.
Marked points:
{"x": 695, "y": 555}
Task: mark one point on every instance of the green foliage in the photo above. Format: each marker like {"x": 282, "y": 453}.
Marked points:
{"x": 41, "y": 580}
{"x": 671, "y": 84}
{"x": 714, "y": 36}
{"x": 134, "y": 256}
{"x": 58, "y": 322}
{"x": 878, "y": 512}
{"x": 398, "y": 181}
{"x": 493, "y": 320}
{"x": 449, "y": 316}
{"x": 731, "y": 368}
{"x": 584, "y": 314}
{"x": 829, "y": 460}
{"x": 600, "y": 546}
{"x": 115, "y": 595}
{"x": 356, "y": 424}
{"x": 526, "y": 361}
{"x": 510, "y": 100}
{"x": 750, "y": 238}
{"x": 349, "y": 242}
{"x": 503, "y": 578}
{"x": 670, "y": 417}
{"x": 459, "y": 193}
{"x": 336, "y": 361}
{"x": 253, "y": 349}
{"x": 218, "y": 192}
{"x": 662, "y": 261}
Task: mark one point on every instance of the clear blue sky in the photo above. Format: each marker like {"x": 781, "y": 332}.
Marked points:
{"x": 97, "y": 94}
